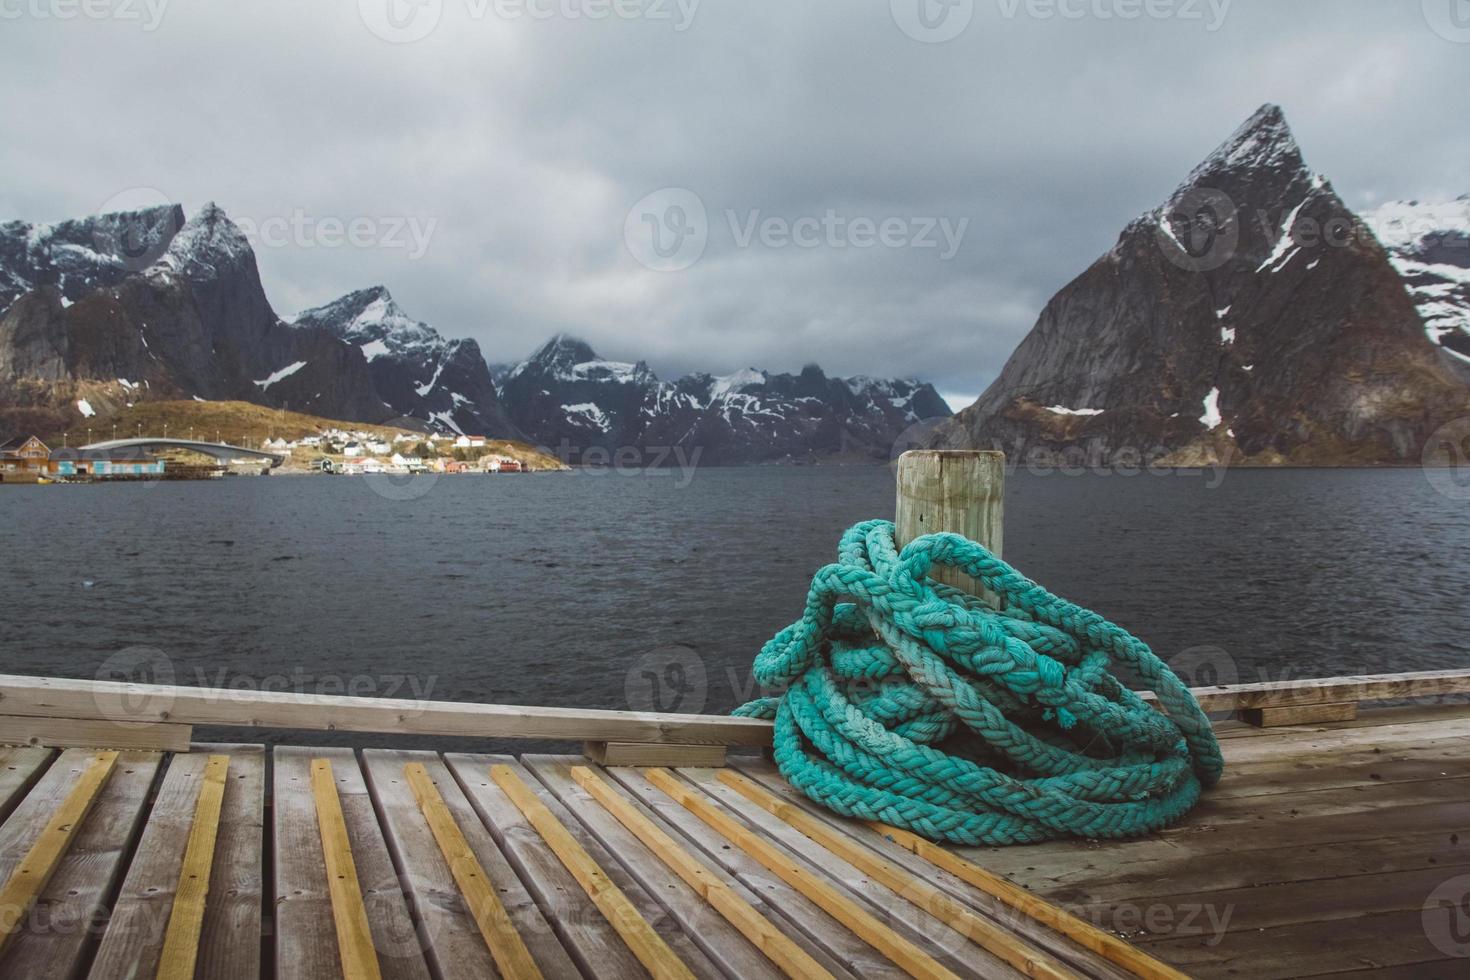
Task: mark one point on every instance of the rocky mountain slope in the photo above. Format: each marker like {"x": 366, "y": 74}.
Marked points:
{"x": 105, "y": 311}
{"x": 416, "y": 371}
{"x": 584, "y": 408}
{"x": 1251, "y": 316}
{"x": 1429, "y": 245}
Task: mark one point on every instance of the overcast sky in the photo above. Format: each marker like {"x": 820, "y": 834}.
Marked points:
{"x": 932, "y": 179}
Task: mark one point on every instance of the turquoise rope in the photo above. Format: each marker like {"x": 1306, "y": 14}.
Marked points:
{"x": 912, "y": 703}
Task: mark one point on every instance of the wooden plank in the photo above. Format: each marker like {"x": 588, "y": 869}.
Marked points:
{"x": 647, "y": 754}
{"x": 1048, "y": 926}
{"x": 453, "y": 944}
{"x": 1006, "y": 945}
{"x": 20, "y": 767}
{"x": 180, "y": 951}
{"x": 591, "y": 940}
{"x": 354, "y": 936}
{"x": 951, "y": 948}
{"x": 655, "y": 955}
{"x": 55, "y": 697}
{"x": 1300, "y": 714}
{"x": 780, "y": 901}
{"x": 28, "y": 880}
{"x": 793, "y": 960}
{"x": 305, "y": 934}
{"x": 961, "y": 491}
{"x": 505, "y": 944}
{"x": 844, "y": 909}
{"x": 1312, "y": 948}
{"x": 1313, "y": 690}
{"x": 84, "y": 733}
{"x": 230, "y": 940}
{"x": 58, "y": 937}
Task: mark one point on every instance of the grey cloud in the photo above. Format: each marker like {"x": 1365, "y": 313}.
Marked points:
{"x": 526, "y": 141}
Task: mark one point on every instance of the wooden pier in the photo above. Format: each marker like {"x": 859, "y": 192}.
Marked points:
{"x": 1330, "y": 848}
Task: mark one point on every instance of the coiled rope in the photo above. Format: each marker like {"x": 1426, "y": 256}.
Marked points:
{"x": 910, "y": 702}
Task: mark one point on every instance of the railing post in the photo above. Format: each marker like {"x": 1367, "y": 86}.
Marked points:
{"x": 952, "y": 490}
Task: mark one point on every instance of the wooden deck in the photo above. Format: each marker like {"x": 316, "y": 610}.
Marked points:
{"x": 1317, "y": 855}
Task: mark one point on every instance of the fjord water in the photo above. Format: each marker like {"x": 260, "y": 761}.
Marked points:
{"x": 617, "y": 589}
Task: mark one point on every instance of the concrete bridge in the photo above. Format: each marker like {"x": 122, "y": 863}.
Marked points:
{"x": 219, "y": 450}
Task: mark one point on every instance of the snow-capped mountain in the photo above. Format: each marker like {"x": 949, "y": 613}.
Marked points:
{"x": 1249, "y": 316}
{"x": 445, "y": 383}
{"x": 572, "y": 401}
{"x": 1429, "y": 244}
{"x": 104, "y": 311}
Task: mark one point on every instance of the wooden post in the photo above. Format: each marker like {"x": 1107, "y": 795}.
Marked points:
{"x": 952, "y": 490}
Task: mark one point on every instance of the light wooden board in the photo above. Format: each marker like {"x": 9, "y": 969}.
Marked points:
{"x": 83, "y": 733}
{"x": 737, "y": 954}
{"x": 20, "y": 767}
{"x": 453, "y": 944}
{"x": 648, "y": 754}
{"x": 890, "y": 928}
{"x": 509, "y": 951}
{"x": 1084, "y": 960}
{"x": 349, "y": 915}
{"x": 585, "y": 932}
{"x": 180, "y": 950}
{"x": 230, "y": 929}
{"x": 57, "y": 697}
{"x": 305, "y": 936}
{"x": 782, "y": 901}
{"x": 57, "y": 943}
{"x": 913, "y": 887}
{"x": 631, "y": 924}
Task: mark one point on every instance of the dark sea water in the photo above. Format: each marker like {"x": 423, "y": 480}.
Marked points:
{"x": 615, "y": 589}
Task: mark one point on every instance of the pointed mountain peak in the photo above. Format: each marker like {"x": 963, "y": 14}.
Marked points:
{"x": 564, "y": 349}
{"x": 367, "y": 315}
{"x": 208, "y": 243}
{"x": 1263, "y": 145}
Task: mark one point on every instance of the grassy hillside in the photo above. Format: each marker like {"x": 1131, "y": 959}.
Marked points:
{"x": 243, "y": 424}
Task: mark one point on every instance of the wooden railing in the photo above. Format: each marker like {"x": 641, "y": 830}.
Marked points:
{"x": 64, "y": 711}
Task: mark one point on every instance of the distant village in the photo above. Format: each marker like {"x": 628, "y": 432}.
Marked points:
{"x": 27, "y": 459}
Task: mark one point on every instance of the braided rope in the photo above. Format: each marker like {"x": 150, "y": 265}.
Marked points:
{"x": 912, "y": 703}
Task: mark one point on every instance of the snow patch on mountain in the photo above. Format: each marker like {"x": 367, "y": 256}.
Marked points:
{"x": 282, "y": 374}
{"x": 1428, "y": 244}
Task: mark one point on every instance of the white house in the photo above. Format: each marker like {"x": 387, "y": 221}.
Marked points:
{"x": 371, "y": 465}
{"x": 379, "y": 446}
{"x": 353, "y": 448}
